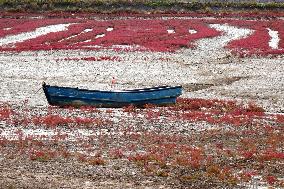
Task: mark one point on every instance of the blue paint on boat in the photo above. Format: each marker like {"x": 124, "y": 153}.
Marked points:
{"x": 68, "y": 96}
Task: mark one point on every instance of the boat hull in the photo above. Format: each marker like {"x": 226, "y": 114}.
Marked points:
{"x": 67, "y": 96}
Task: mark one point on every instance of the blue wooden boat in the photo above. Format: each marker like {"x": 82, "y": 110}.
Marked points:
{"x": 67, "y": 96}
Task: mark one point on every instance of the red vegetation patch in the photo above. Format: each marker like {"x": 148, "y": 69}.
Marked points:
{"x": 100, "y": 58}
{"x": 139, "y": 34}
{"x": 237, "y": 142}
{"x": 87, "y": 34}
{"x": 5, "y": 112}
{"x": 258, "y": 42}
{"x": 11, "y": 26}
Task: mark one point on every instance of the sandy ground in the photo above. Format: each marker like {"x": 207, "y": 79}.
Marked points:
{"x": 249, "y": 79}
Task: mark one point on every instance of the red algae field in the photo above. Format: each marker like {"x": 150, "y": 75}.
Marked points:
{"x": 225, "y": 131}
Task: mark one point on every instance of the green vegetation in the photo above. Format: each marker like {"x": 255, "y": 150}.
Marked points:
{"x": 110, "y": 6}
